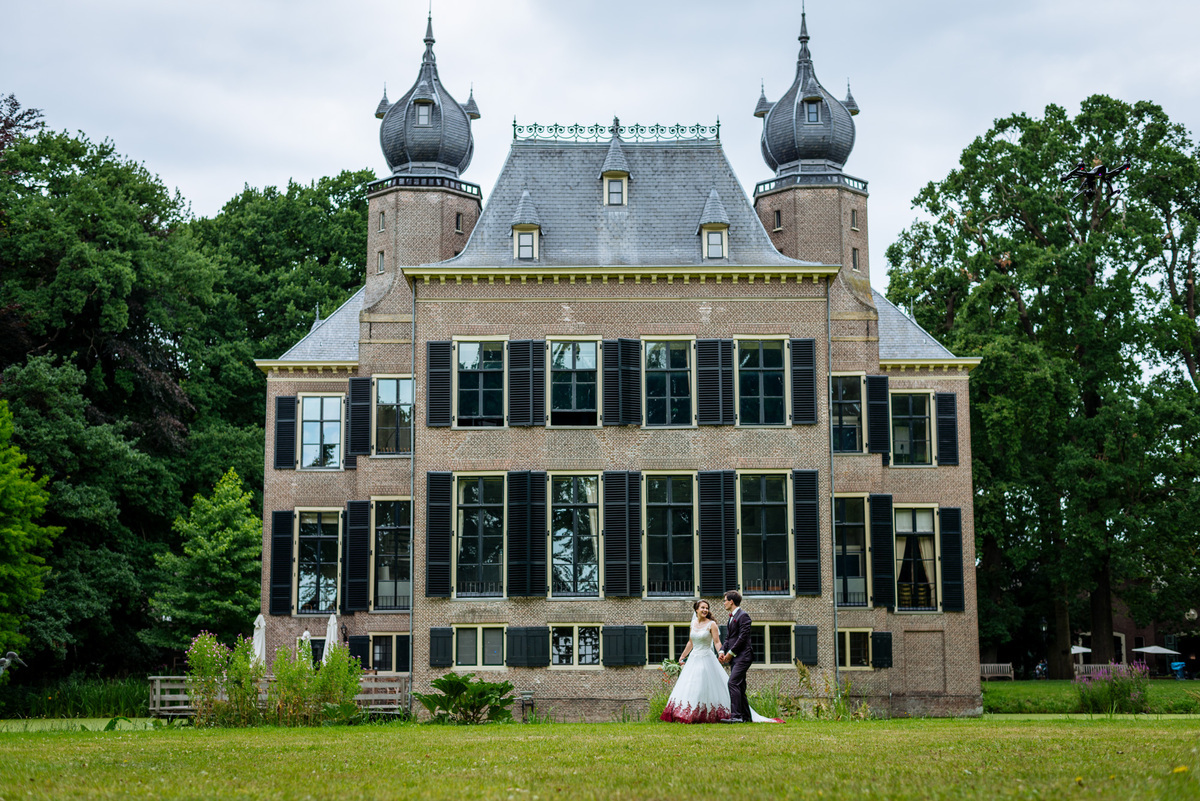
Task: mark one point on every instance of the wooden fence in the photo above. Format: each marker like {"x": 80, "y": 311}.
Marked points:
{"x": 377, "y": 694}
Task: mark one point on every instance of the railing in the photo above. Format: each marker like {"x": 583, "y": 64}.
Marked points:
{"x": 915, "y": 597}
{"x": 767, "y": 587}
{"x": 432, "y": 181}
{"x": 680, "y": 587}
{"x": 380, "y": 694}
{"x": 393, "y": 602}
{"x": 601, "y": 133}
{"x": 479, "y": 588}
{"x": 851, "y": 598}
{"x": 772, "y": 184}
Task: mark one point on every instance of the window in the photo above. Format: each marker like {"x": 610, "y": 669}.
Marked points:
{"x": 458, "y": 229}
{"x": 616, "y": 192}
{"x": 847, "y": 413}
{"x": 714, "y": 242}
{"x": 778, "y": 220}
{"x": 854, "y": 219}
{"x": 854, "y": 648}
{"x": 772, "y": 643}
{"x": 668, "y": 383}
{"x": 669, "y": 535}
{"x": 480, "y": 561}
{"x": 765, "y": 534}
{"x": 525, "y": 244}
{"x": 854, "y": 258}
{"x": 381, "y": 219}
{"x": 574, "y": 532}
{"x": 813, "y": 110}
{"x": 393, "y": 557}
{"x": 479, "y": 646}
{"x": 573, "y": 383}
{"x": 317, "y": 562}
{"x": 666, "y": 642}
{"x": 850, "y": 551}
{"x": 393, "y": 415}
{"x": 391, "y": 653}
{"x": 575, "y": 646}
{"x": 380, "y": 267}
{"x": 321, "y": 431}
{"x": 761, "y": 382}
{"x": 480, "y": 383}
{"x": 910, "y": 430}
{"x": 317, "y": 644}
{"x": 916, "y": 563}
{"x": 381, "y": 654}
{"x": 423, "y": 111}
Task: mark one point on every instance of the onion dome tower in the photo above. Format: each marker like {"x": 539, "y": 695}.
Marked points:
{"x": 427, "y": 132}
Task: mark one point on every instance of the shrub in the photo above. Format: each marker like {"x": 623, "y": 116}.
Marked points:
{"x": 288, "y": 697}
{"x": 467, "y": 700}
{"x": 243, "y": 685}
{"x": 767, "y": 700}
{"x": 1115, "y": 689}
{"x": 206, "y": 663}
{"x": 660, "y": 692}
{"x": 77, "y": 696}
{"x": 831, "y": 702}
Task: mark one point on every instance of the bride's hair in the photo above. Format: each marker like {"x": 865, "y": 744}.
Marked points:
{"x": 696, "y": 609}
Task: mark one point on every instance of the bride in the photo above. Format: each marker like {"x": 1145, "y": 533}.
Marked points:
{"x": 701, "y": 693}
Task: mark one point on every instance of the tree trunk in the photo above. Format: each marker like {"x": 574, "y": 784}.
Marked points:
{"x": 1102, "y": 617}
{"x": 1059, "y": 658}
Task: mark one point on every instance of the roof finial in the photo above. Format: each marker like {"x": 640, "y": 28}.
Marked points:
{"x": 616, "y": 127}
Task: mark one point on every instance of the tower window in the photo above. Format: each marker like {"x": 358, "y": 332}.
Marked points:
{"x": 525, "y": 244}
{"x": 380, "y": 261}
{"x": 854, "y": 258}
{"x": 381, "y": 219}
{"x": 814, "y": 111}
{"x": 458, "y": 222}
{"x": 715, "y": 244}
{"x": 854, "y": 219}
{"x": 615, "y": 195}
{"x": 778, "y": 220}
{"x": 423, "y": 110}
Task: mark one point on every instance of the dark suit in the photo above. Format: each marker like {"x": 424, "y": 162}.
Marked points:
{"x": 737, "y": 641}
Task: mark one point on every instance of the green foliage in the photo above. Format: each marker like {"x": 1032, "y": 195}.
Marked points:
{"x": 833, "y": 700}
{"x": 22, "y": 540}
{"x": 215, "y": 582}
{"x": 288, "y": 697}
{"x": 77, "y": 697}
{"x": 224, "y": 684}
{"x": 768, "y": 699}
{"x": 1115, "y": 689}
{"x": 467, "y": 700}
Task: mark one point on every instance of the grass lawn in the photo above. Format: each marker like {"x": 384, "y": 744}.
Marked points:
{"x": 951, "y": 759}
{"x": 1166, "y": 696}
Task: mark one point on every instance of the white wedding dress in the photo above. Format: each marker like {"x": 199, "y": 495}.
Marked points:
{"x": 701, "y": 693}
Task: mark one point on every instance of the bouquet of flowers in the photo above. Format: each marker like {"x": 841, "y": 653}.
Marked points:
{"x": 670, "y": 668}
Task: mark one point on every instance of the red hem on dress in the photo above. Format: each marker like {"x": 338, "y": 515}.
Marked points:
{"x": 686, "y": 713}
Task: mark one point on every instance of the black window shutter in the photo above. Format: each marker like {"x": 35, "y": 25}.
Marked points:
{"x": 718, "y": 531}
{"x": 360, "y": 648}
{"x": 403, "y": 653}
{"x": 807, "y": 534}
{"x": 622, "y": 534}
{"x": 439, "y": 494}
{"x": 611, "y": 413}
{"x": 349, "y": 461}
{"x": 358, "y": 555}
{"x": 520, "y": 383}
{"x": 953, "y": 594}
{"x": 537, "y": 382}
{"x": 714, "y": 382}
{"x": 635, "y": 645}
{"x": 439, "y": 361}
{"x": 881, "y": 649}
{"x": 883, "y": 547}
{"x": 281, "y": 564}
{"x": 518, "y": 653}
{"x": 613, "y": 639}
{"x": 879, "y": 422}
{"x": 285, "y": 433}
{"x": 804, "y": 381}
{"x": 806, "y": 645}
{"x": 537, "y": 534}
{"x": 946, "y": 404}
{"x": 526, "y": 534}
{"x": 441, "y": 647}
{"x": 537, "y": 646}
{"x": 631, "y": 381}
{"x": 358, "y": 440}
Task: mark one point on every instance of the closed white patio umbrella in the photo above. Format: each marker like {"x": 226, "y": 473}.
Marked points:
{"x": 260, "y": 640}
{"x": 331, "y": 637}
{"x": 1155, "y": 649}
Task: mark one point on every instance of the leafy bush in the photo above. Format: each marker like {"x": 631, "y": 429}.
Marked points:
{"x": 1115, "y": 689}
{"x": 468, "y": 700}
{"x": 206, "y": 661}
{"x": 77, "y": 697}
{"x": 660, "y": 692}
{"x": 767, "y": 700}
{"x": 288, "y": 696}
{"x": 224, "y": 683}
{"x": 829, "y": 702}
{"x": 337, "y": 682}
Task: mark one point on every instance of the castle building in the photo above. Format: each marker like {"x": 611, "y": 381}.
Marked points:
{"x": 547, "y": 424}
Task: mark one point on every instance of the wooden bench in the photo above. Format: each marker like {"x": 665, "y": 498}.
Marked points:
{"x": 1088, "y": 670}
{"x": 378, "y": 695}
{"x": 996, "y": 670}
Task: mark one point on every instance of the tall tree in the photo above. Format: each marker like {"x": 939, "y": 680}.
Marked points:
{"x": 1053, "y": 289}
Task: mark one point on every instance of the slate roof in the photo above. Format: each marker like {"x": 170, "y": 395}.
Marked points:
{"x": 901, "y": 338}
{"x": 656, "y": 228}
{"x": 526, "y": 213}
{"x": 615, "y": 160}
{"x": 714, "y": 211}
{"x": 334, "y": 339}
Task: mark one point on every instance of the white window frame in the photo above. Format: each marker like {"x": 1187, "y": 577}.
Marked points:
{"x": 458, "y": 222}
{"x": 705, "y": 231}
{"x": 853, "y": 219}
{"x": 341, "y": 521}
{"x": 937, "y": 557}
{"x": 382, "y": 218}
{"x": 411, "y": 562}
{"x": 645, "y": 340}
{"x": 550, "y": 476}
{"x": 381, "y": 267}
{"x": 455, "y": 534}
{"x": 787, "y": 380}
{"x": 454, "y": 381}
{"x": 300, "y": 642}
{"x": 341, "y": 460}
{"x": 778, "y": 220}
{"x": 604, "y": 186}
{"x": 393, "y": 634}
{"x": 932, "y": 418}
{"x": 575, "y": 646}
{"x": 426, "y": 107}
{"x": 645, "y": 490}
{"x": 845, "y": 653}
{"x": 791, "y": 549}
{"x": 535, "y": 232}
{"x": 375, "y": 406}
{"x": 599, "y": 380}
{"x": 854, "y": 260}
{"x": 478, "y": 629}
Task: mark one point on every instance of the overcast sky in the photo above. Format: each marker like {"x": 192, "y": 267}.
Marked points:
{"x": 217, "y": 94}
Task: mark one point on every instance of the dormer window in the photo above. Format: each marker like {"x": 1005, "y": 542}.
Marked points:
{"x": 616, "y": 188}
{"x": 813, "y": 111}
{"x": 525, "y": 242}
{"x": 715, "y": 240}
{"x": 423, "y": 113}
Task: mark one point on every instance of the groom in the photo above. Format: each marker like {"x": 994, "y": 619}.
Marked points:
{"x": 740, "y": 652}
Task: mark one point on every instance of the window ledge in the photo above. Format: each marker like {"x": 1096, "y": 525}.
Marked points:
{"x": 573, "y": 428}
{"x": 474, "y": 668}
{"x": 391, "y": 456}
{"x": 583, "y": 668}
{"x": 670, "y": 428}
{"x": 319, "y": 469}
{"x": 391, "y": 612}
{"x": 853, "y": 453}
{"x": 910, "y": 466}
{"x": 918, "y": 612}
{"x": 782, "y": 426}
